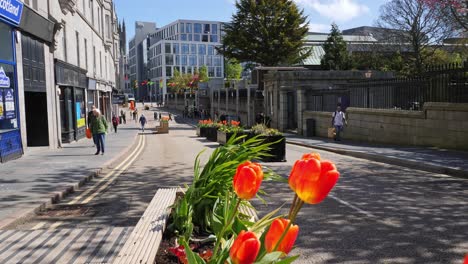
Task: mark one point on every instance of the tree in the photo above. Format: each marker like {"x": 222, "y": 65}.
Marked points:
{"x": 336, "y": 53}
{"x": 456, "y": 10}
{"x": 268, "y": 32}
{"x": 233, "y": 69}
{"x": 416, "y": 26}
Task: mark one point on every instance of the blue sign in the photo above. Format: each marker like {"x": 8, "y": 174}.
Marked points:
{"x": 11, "y": 10}
{"x": 9, "y": 103}
{"x": 2, "y": 116}
{"x": 4, "y": 79}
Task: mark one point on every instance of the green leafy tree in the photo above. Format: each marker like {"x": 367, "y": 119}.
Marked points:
{"x": 268, "y": 32}
{"x": 336, "y": 54}
{"x": 233, "y": 69}
{"x": 203, "y": 74}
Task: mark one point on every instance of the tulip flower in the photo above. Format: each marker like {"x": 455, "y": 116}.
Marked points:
{"x": 245, "y": 248}
{"x": 466, "y": 259}
{"x": 276, "y": 231}
{"x": 313, "y": 179}
{"x": 247, "y": 180}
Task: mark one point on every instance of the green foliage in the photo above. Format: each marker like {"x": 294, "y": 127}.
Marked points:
{"x": 336, "y": 53}
{"x": 203, "y": 74}
{"x": 268, "y": 32}
{"x": 233, "y": 69}
{"x": 261, "y": 129}
{"x": 212, "y": 182}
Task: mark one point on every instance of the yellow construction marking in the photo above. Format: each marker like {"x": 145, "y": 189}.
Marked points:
{"x": 103, "y": 187}
{"x": 79, "y": 197}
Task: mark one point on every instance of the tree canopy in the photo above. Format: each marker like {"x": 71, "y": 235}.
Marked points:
{"x": 268, "y": 32}
{"x": 336, "y": 53}
{"x": 233, "y": 69}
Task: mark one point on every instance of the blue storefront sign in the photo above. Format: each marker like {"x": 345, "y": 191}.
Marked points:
{"x": 2, "y": 115}
{"x": 9, "y": 104}
{"x": 4, "y": 79}
{"x": 11, "y": 10}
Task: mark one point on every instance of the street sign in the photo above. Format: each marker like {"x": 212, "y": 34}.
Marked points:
{"x": 118, "y": 99}
{"x": 11, "y": 10}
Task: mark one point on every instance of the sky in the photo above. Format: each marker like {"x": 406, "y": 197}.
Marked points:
{"x": 321, "y": 13}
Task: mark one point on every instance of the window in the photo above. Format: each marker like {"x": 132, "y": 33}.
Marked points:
{"x": 218, "y": 72}
{"x": 210, "y": 50}
{"x": 201, "y": 60}
{"x": 91, "y": 7}
{"x": 86, "y": 53}
{"x": 108, "y": 27}
{"x": 94, "y": 59}
{"x": 182, "y": 27}
{"x": 177, "y": 60}
{"x": 99, "y": 20}
{"x": 168, "y": 71}
{"x": 193, "y": 49}
{"x": 205, "y": 38}
{"x": 189, "y": 37}
{"x": 214, "y": 28}
{"x": 206, "y": 29}
{"x": 193, "y": 60}
{"x": 175, "y": 48}
{"x": 196, "y": 37}
{"x": 214, "y": 38}
{"x": 168, "y": 48}
{"x": 105, "y": 65}
{"x": 197, "y": 28}
{"x": 211, "y": 72}
{"x": 201, "y": 49}
{"x": 185, "y": 49}
{"x": 64, "y": 41}
{"x": 100, "y": 63}
{"x": 217, "y": 61}
{"x": 188, "y": 28}
{"x": 184, "y": 60}
{"x": 169, "y": 59}
{"x": 183, "y": 37}
{"x": 84, "y": 8}
{"x": 6, "y": 42}
{"x": 77, "y": 49}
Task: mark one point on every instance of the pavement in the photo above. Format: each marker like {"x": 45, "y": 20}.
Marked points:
{"x": 435, "y": 160}
{"x": 44, "y": 176}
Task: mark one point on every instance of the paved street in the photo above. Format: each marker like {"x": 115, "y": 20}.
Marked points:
{"x": 377, "y": 213}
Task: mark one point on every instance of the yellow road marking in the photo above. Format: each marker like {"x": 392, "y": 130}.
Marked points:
{"x": 79, "y": 197}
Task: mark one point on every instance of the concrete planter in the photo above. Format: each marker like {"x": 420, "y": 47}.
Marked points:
{"x": 277, "y": 150}
{"x": 201, "y": 131}
{"x": 212, "y": 134}
{"x": 224, "y": 137}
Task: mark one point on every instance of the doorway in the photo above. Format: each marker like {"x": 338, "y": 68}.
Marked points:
{"x": 292, "y": 110}
{"x": 36, "y": 119}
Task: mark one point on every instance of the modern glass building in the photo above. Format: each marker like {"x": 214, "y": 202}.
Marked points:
{"x": 186, "y": 46}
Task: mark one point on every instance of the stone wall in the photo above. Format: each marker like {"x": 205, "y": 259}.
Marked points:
{"x": 442, "y": 125}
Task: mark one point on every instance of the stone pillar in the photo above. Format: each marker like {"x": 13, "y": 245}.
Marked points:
{"x": 283, "y": 111}
{"x": 301, "y": 107}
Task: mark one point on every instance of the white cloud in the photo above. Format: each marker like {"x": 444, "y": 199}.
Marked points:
{"x": 337, "y": 10}
{"x": 324, "y": 28}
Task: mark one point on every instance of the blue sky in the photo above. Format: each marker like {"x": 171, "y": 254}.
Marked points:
{"x": 321, "y": 13}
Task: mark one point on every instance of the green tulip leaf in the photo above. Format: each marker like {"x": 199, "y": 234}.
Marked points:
{"x": 270, "y": 258}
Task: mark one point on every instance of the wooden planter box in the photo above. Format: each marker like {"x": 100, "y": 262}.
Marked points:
{"x": 224, "y": 137}
{"x": 212, "y": 134}
{"x": 201, "y": 131}
{"x": 277, "y": 150}
{"x": 163, "y": 128}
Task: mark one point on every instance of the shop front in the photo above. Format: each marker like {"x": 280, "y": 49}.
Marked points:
{"x": 10, "y": 136}
{"x": 72, "y": 83}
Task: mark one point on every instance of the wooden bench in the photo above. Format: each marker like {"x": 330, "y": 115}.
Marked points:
{"x": 143, "y": 243}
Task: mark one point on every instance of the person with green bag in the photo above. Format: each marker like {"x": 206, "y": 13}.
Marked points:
{"x": 99, "y": 130}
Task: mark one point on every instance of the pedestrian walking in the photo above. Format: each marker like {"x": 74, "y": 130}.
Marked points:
{"x": 123, "y": 116}
{"x": 90, "y": 120}
{"x": 155, "y": 115}
{"x": 143, "y": 122}
{"x": 99, "y": 129}
{"x": 338, "y": 121}
{"x": 170, "y": 117}
{"x": 115, "y": 122}
{"x": 159, "y": 116}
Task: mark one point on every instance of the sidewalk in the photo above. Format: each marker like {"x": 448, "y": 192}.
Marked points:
{"x": 450, "y": 162}
{"x": 42, "y": 174}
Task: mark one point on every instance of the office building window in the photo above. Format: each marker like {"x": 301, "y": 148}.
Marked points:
{"x": 189, "y": 37}
{"x": 197, "y": 28}
{"x": 201, "y": 60}
{"x": 185, "y": 49}
{"x": 78, "y": 49}
{"x": 211, "y": 71}
{"x": 210, "y": 50}
{"x": 205, "y": 38}
{"x": 94, "y": 60}
{"x": 168, "y": 71}
{"x": 193, "y": 49}
{"x": 182, "y": 69}
{"x": 169, "y": 59}
{"x": 206, "y": 28}
{"x": 188, "y": 28}
{"x": 177, "y": 60}
{"x": 182, "y": 27}
{"x": 219, "y": 72}
{"x": 183, "y": 37}
{"x": 175, "y": 48}
{"x": 168, "y": 48}
{"x": 100, "y": 64}
{"x": 184, "y": 60}
{"x": 202, "y": 49}
{"x": 214, "y": 38}
{"x": 108, "y": 26}
{"x": 91, "y": 7}
{"x": 193, "y": 60}
{"x": 214, "y": 28}
{"x": 196, "y": 37}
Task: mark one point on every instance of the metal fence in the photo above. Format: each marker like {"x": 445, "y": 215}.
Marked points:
{"x": 444, "y": 83}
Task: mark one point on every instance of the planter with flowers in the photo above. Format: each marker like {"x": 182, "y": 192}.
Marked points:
{"x": 203, "y": 126}
{"x": 276, "y": 139}
{"x": 163, "y": 127}
{"x": 226, "y": 130}
{"x": 206, "y": 222}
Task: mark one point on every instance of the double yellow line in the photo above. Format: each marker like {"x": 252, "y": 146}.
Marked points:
{"x": 98, "y": 187}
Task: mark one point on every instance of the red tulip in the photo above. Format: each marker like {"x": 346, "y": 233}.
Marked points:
{"x": 247, "y": 180}
{"x": 275, "y": 232}
{"x": 466, "y": 259}
{"x": 245, "y": 248}
{"x": 313, "y": 179}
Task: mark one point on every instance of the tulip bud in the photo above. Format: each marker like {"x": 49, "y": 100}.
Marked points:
{"x": 245, "y": 248}
{"x": 247, "y": 180}
{"x": 275, "y": 232}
